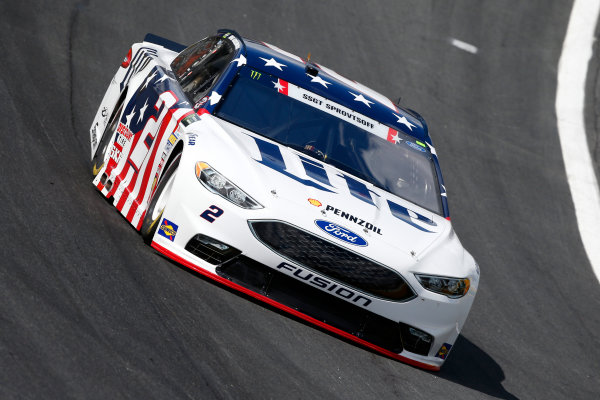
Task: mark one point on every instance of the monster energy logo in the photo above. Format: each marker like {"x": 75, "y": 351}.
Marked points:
{"x": 255, "y": 75}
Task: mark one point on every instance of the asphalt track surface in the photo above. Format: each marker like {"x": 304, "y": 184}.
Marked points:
{"x": 88, "y": 311}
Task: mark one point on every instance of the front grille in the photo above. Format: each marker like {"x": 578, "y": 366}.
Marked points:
{"x": 211, "y": 250}
{"x": 331, "y": 260}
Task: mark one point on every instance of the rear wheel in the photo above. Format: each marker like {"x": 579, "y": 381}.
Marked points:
{"x": 98, "y": 160}
{"x": 159, "y": 201}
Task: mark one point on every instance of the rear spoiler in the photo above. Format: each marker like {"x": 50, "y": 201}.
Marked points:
{"x": 166, "y": 43}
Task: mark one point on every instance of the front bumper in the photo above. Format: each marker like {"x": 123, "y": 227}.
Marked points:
{"x": 387, "y": 327}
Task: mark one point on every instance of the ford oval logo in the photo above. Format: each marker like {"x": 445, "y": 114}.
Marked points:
{"x": 341, "y": 233}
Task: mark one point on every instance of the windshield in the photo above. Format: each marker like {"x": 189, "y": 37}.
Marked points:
{"x": 333, "y": 134}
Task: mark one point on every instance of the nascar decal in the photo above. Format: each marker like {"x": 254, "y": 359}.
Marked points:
{"x": 168, "y": 229}
{"x": 340, "y": 233}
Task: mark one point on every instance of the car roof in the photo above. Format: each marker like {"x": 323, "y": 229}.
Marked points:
{"x": 348, "y": 93}
{"x": 343, "y": 91}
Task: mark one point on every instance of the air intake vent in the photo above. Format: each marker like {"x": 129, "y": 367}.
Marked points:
{"x": 331, "y": 260}
{"x": 211, "y": 250}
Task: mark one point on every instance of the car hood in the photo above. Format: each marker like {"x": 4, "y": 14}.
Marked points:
{"x": 322, "y": 199}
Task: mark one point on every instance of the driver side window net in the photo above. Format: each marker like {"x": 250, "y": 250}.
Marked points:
{"x": 199, "y": 66}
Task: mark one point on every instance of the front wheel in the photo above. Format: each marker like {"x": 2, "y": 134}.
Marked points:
{"x": 158, "y": 202}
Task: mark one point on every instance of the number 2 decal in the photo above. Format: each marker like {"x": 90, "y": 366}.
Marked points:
{"x": 211, "y": 213}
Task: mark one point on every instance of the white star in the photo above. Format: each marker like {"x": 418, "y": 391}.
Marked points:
{"x": 273, "y": 63}
{"x": 128, "y": 117}
{"x": 143, "y": 110}
{"x": 432, "y": 149}
{"x": 214, "y": 98}
{"x": 361, "y": 98}
{"x": 278, "y": 85}
{"x": 241, "y": 60}
{"x": 163, "y": 78}
{"x": 148, "y": 79}
{"x": 318, "y": 79}
{"x": 404, "y": 121}
{"x": 396, "y": 138}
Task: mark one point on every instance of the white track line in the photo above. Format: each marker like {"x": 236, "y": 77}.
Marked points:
{"x": 463, "y": 46}
{"x": 570, "y": 97}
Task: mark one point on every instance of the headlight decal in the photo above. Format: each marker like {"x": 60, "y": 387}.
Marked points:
{"x": 451, "y": 287}
{"x": 218, "y": 184}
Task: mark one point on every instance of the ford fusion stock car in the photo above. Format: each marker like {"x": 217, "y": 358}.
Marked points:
{"x": 282, "y": 179}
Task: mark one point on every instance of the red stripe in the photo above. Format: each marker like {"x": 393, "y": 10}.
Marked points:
{"x": 139, "y": 225}
{"x": 287, "y": 309}
{"x": 148, "y": 170}
{"x": 144, "y": 187}
{"x": 284, "y": 89}
{"x": 391, "y": 134}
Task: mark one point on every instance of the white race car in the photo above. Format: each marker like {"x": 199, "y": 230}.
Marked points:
{"x": 286, "y": 181}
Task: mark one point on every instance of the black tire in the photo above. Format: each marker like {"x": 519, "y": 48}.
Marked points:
{"x": 98, "y": 160}
{"x": 158, "y": 202}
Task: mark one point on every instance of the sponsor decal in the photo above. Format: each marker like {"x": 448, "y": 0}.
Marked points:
{"x": 444, "y": 350}
{"x": 171, "y": 140}
{"x": 115, "y": 153}
{"x": 324, "y": 284}
{"x": 352, "y": 218}
{"x": 192, "y": 139}
{"x": 255, "y": 75}
{"x": 104, "y": 112}
{"x": 315, "y": 202}
{"x": 414, "y": 146}
{"x": 351, "y": 116}
{"x": 121, "y": 140}
{"x": 201, "y": 102}
{"x": 190, "y": 119}
{"x": 412, "y": 218}
{"x": 94, "y": 135}
{"x": 123, "y": 130}
{"x": 340, "y": 233}
{"x": 234, "y": 40}
{"x": 271, "y": 157}
{"x": 168, "y": 229}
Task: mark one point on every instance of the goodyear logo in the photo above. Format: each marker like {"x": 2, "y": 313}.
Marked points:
{"x": 315, "y": 202}
{"x": 168, "y": 229}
